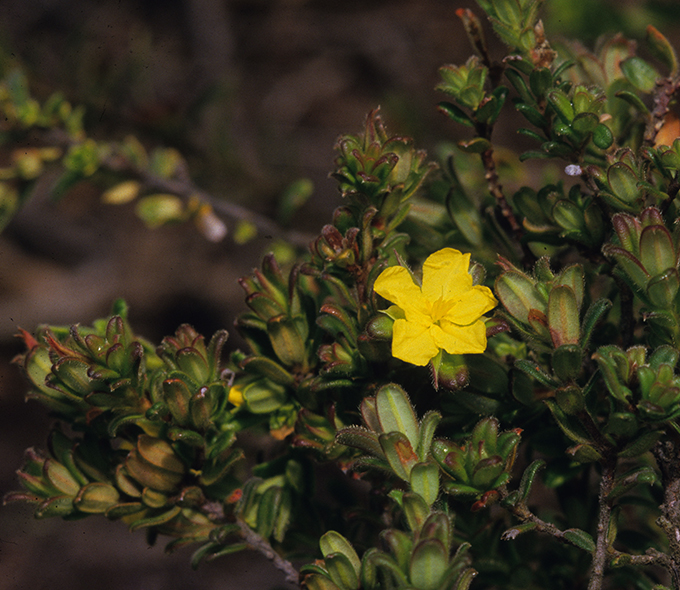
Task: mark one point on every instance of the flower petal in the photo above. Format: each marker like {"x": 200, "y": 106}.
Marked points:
{"x": 445, "y": 275}
{"x": 396, "y": 285}
{"x": 413, "y": 343}
{"x": 460, "y": 339}
{"x": 471, "y": 306}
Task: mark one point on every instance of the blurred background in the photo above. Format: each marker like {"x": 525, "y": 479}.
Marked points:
{"x": 254, "y": 94}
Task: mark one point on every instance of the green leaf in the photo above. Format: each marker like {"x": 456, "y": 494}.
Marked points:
{"x": 268, "y": 508}
{"x": 596, "y": 311}
{"x": 294, "y": 196}
{"x": 623, "y": 182}
{"x": 585, "y": 123}
{"x": 375, "y": 560}
{"x": 56, "y": 506}
{"x": 562, "y": 105}
{"x": 568, "y": 216}
{"x": 633, "y": 100}
{"x": 157, "y": 210}
{"x": 640, "y": 73}
{"x": 211, "y": 551}
{"x": 580, "y": 539}
{"x": 60, "y": 478}
{"x": 570, "y": 427}
{"x": 476, "y": 145}
{"x": 641, "y": 444}
{"x": 455, "y": 113}
{"x": 424, "y": 480}
{"x": 508, "y": 12}
{"x": 603, "y": 136}
{"x": 399, "y": 453}
{"x": 536, "y": 372}
{"x": 428, "y": 426}
{"x": 264, "y": 396}
{"x": 416, "y": 510}
{"x": 532, "y": 115}
{"x": 486, "y": 472}
{"x": 96, "y": 497}
{"x": 333, "y": 542}
{"x": 540, "y": 81}
{"x": 429, "y": 562}
{"x": 286, "y": 338}
{"x": 156, "y": 520}
{"x": 268, "y": 368}
{"x": 566, "y": 363}
{"x": 360, "y": 438}
{"x": 124, "y": 509}
{"x": 662, "y": 49}
{"x": 627, "y": 481}
{"x": 528, "y": 478}
{"x": 342, "y": 571}
{"x": 395, "y": 412}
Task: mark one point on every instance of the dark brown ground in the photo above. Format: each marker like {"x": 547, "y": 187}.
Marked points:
{"x": 254, "y": 93}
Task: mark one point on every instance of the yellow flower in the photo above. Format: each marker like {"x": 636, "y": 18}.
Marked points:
{"x": 236, "y": 395}
{"x": 444, "y": 313}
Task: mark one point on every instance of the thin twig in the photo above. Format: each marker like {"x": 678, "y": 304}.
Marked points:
{"x": 601, "y": 556}
{"x": 666, "y": 455}
{"x": 261, "y": 545}
{"x": 522, "y": 512}
{"x": 119, "y": 163}
{"x": 496, "y": 190}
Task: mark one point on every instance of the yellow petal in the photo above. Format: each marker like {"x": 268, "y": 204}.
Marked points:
{"x": 236, "y": 395}
{"x": 460, "y": 339}
{"x": 413, "y": 343}
{"x": 445, "y": 275}
{"x": 472, "y": 305}
{"x": 396, "y": 285}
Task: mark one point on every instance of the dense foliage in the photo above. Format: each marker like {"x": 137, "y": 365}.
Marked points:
{"x": 490, "y": 379}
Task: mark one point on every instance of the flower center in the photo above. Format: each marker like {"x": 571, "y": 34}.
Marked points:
{"x": 439, "y": 309}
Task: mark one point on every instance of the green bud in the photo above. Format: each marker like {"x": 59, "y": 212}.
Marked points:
{"x": 449, "y": 371}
